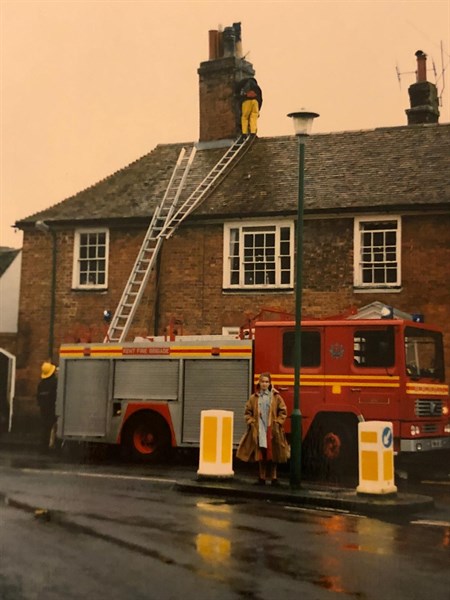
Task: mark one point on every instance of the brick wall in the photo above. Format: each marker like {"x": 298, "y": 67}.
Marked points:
{"x": 192, "y": 262}
{"x": 78, "y": 314}
{"x": 190, "y": 285}
{"x": 8, "y": 341}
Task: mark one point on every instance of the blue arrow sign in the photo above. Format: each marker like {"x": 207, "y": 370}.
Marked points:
{"x": 387, "y": 437}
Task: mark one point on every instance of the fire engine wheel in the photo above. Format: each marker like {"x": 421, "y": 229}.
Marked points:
{"x": 331, "y": 448}
{"x": 147, "y": 438}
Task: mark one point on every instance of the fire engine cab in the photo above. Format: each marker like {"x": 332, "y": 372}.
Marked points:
{"x": 148, "y": 395}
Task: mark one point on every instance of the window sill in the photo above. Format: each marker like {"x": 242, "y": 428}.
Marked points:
{"x": 254, "y": 290}
{"x": 89, "y": 290}
{"x": 377, "y": 290}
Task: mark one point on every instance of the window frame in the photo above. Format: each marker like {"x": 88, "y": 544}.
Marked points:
{"x": 358, "y": 282}
{"x": 77, "y": 259}
{"x": 249, "y": 225}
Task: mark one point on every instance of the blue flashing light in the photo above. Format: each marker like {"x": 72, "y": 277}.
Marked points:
{"x": 418, "y": 318}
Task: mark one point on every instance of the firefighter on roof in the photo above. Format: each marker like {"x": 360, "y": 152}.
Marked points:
{"x": 250, "y": 97}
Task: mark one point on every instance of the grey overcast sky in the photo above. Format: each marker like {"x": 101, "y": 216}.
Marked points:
{"x": 88, "y": 86}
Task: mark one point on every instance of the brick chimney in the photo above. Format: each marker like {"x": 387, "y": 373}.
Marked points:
{"x": 423, "y": 96}
{"x": 219, "y": 109}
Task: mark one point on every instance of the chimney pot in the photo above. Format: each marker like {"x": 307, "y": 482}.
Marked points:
{"x": 421, "y": 73}
{"x": 213, "y": 44}
{"x": 229, "y": 42}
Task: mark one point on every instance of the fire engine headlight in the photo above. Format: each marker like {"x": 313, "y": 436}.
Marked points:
{"x": 447, "y": 428}
{"x": 415, "y": 430}
{"x": 445, "y": 410}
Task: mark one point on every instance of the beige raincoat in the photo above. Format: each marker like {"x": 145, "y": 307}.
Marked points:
{"x": 248, "y": 449}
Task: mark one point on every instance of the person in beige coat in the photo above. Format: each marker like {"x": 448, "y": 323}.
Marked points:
{"x": 265, "y": 440}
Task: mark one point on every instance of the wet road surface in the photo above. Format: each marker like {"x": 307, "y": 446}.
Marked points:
{"x": 103, "y": 531}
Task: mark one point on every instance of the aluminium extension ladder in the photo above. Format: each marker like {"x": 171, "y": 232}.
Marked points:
{"x": 164, "y": 222}
{"x": 213, "y": 177}
{"x": 148, "y": 253}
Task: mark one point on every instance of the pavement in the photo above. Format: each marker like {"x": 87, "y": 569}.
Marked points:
{"x": 309, "y": 495}
{"x": 242, "y": 485}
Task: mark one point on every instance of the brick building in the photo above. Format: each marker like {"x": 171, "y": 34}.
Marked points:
{"x": 377, "y": 228}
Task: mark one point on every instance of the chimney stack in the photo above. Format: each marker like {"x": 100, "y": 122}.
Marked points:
{"x": 219, "y": 109}
{"x": 423, "y": 96}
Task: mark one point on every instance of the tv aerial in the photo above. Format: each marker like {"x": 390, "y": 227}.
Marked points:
{"x": 439, "y": 80}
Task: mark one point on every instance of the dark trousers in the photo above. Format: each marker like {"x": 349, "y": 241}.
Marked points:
{"x": 48, "y": 419}
{"x": 267, "y": 468}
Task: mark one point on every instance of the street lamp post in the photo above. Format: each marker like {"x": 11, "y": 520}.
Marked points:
{"x": 44, "y": 228}
{"x": 302, "y": 125}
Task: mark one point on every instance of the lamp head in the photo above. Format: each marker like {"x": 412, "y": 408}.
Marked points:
{"x": 303, "y": 120}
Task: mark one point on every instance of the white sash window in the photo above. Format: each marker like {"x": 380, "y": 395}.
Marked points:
{"x": 377, "y": 252}
{"x": 258, "y": 255}
{"x": 91, "y": 259}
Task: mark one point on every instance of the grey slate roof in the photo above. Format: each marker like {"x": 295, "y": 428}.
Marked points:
{"x": 386, "y": 168}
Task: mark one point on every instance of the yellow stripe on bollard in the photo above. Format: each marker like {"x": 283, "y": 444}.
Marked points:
{"x": 210, "y": 439}
{"x": 227, "y": 439}
{"x": 388, "y": 465}
{"x": 369, "y": 465}
{"x": 369, "y": 437}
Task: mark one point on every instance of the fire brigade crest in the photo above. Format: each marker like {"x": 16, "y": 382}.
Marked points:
{"x": 337, "y": 350}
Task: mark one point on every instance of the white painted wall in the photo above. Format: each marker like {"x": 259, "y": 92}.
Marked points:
{"x": 9, "y": 296}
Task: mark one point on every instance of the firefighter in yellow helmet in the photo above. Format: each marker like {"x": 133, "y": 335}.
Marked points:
{"x": 46, "y": 398}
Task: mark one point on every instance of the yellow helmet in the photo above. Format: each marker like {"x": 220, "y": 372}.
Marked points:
{"x": 47, "y": 370}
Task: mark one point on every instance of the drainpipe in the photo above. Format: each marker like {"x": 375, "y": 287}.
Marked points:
{"x": 44, "y": 228}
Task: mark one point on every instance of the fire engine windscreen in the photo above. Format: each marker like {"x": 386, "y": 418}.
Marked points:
{"x": 424, "y": 352}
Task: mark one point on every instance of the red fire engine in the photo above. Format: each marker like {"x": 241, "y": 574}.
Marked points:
{"x": 148, "y": 395}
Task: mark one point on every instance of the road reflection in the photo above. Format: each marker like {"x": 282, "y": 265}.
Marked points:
{"x": 213, "y": 548}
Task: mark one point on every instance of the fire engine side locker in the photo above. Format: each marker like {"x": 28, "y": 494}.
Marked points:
{"x": 84, "y": 389}
{"x": 228, "y": 385}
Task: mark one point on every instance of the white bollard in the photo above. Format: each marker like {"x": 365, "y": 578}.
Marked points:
{"x": 376, "y": 458}
{"x": 216, "y": 443}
